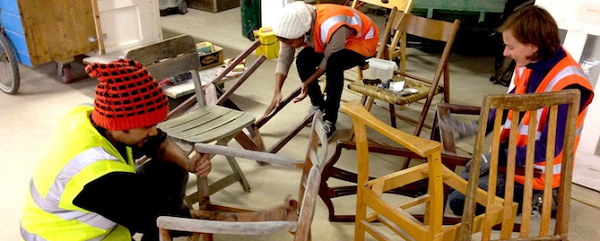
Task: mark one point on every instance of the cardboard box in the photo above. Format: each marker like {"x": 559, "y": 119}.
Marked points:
{"x": 211, "y": 59}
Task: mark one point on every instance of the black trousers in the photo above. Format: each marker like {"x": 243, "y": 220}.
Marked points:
{"x": 169, "y": 182}
{"x": 307, "y": 62}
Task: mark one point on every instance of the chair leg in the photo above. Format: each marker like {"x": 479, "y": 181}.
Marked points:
{"x": 236, "y": 169}
{"x": 164, "y": 235}
{"x": 393, "y": 115}
{"x": 237, "y": 174}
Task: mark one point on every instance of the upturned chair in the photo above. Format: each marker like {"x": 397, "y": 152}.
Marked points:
{"x": 427, "y": 87}
{"x": 217, "y": 221}
{"x": 396, "y": 216}
{"x": 204, "y": 124}
{"x": 519, "y": 105}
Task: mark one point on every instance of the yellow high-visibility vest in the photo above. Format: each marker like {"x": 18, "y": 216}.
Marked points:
{"x": 78, "y": 154}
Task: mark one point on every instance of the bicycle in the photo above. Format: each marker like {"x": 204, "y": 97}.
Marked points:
{"x": 10, "y": 78}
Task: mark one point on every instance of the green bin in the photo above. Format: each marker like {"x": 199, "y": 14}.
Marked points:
{"x": 250, "y": 17}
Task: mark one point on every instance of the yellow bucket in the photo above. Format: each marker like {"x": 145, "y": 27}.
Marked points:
{"x": 269, "y": 44}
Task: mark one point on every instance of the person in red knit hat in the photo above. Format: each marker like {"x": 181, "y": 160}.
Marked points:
{"x": 86, "y": 187}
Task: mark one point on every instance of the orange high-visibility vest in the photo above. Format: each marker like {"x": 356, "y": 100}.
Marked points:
{"x": 566, "y": 72}
{"x": 330, "y": 17}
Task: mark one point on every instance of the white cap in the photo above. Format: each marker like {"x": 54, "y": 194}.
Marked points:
{"x": 294, "y": 21}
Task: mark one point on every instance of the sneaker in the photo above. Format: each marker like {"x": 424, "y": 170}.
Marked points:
{"x": 463, "y": 128}
{"x": 329, "y": 129}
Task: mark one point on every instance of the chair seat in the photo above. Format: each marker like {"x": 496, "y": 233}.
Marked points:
{"x": 206, "y": 124}
{"x": 394, "y": 98}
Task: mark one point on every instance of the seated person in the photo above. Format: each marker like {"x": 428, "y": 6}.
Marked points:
{"x": 543, "y": 65}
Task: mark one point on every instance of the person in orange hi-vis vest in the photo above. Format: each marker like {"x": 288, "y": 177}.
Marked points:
{"x": 543, "y": 65}
{"x": 334, "y": 38}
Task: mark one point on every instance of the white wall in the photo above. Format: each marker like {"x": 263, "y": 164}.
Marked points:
{"x": 579, "y": 18}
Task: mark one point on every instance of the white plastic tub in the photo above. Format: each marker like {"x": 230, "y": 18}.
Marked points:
{"x": 380, "y": 69}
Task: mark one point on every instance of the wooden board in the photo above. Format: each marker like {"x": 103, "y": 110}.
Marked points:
{"x": 57, "y": 29}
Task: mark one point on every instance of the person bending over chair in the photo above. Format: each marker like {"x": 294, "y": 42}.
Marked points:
{"x": 86, "y": 186}
{"x": 335, "y": 38}
{"x": 543, "y": 65}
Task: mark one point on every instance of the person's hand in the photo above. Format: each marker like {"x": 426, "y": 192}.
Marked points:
{"x": 303, "y": 94}
{"x": 200, "y": 164}
{"x": 277, "y": 97}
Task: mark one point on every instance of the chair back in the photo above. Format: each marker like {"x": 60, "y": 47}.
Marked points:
{"x": 315, "y": 160}
{"x": 169, "y": 58}
{"x": 430, "y": 30}
{"x": 542, "y": 108}
{"x": 392, "y": 50}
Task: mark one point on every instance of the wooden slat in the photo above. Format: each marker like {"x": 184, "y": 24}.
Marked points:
{"x": 223, "y": 227}
{"x": 246, "y": 154}
{"x": 226, "y": 129}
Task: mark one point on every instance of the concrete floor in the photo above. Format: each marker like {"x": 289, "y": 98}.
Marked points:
{"x": 29, "y": 118}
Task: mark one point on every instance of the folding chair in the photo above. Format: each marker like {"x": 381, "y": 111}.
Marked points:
{"x": 427, "y": 88}
{"x": 220, "y": 223}
{"x": 204, "y": 124}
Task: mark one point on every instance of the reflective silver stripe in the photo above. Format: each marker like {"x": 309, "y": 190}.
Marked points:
{"x": 33, "y": 237}
{"x": 30, "y": 236}
{"x": 507, "y": 123}
{"x": 50, "y": 202}
{"x": 555, "y": 169}
{"x": 370, "y": 34}
{"x": 524, "y": 130}
{"x": 569, "y": 70}
{"x": 332, "y": 21}
{"x": 520, "y": 70}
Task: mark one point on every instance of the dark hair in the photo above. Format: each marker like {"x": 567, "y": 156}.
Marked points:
{"x": 534, "y": 25}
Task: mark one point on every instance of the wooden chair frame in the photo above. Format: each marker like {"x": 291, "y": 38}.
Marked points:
{"x": 308, "y": 188}
{"x": 520, "y": 104}
{"x": 395, "y": 215}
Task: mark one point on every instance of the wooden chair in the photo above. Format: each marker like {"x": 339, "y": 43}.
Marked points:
{"x": 520, "y": 104}
{"x": 427, "y": 88}
{"x": 309, "y": 186}
{"x": 205, "y": 124}
{"x": 396, "y": 216}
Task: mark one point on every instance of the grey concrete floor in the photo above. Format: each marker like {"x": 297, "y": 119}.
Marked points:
{"x": 28, "y": 120}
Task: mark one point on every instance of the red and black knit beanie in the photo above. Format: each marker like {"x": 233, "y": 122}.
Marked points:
{"x": 127, "y": 97}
